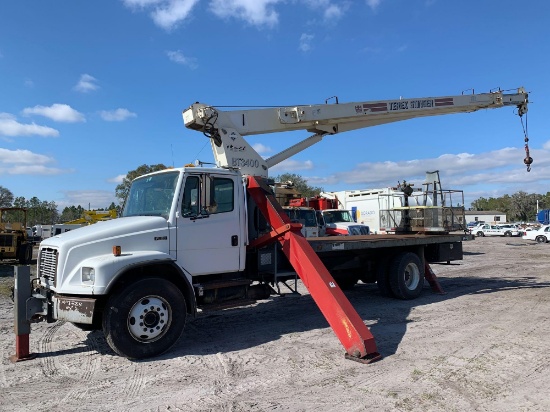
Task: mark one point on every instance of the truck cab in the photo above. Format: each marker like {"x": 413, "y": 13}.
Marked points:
{"x": 307, "y": 217}
{"x": 338, "y": 222}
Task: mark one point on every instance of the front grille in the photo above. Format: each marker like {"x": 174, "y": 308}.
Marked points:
{"x": 6, "y": 240}
{"x": 47, "y": 266}
{"x": 358, "y": 230}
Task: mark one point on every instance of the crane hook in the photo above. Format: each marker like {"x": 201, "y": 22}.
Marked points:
{"x": 528, "y": 159}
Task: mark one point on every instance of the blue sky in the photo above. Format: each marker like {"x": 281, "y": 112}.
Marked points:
{"x": 90, "y": 90}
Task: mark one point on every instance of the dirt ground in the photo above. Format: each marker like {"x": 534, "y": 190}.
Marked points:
{"x": 483, "y": 346}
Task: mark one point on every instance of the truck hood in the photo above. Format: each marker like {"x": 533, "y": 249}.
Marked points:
{"x": 140, "y": 238}
{"x": 107, "y": 231}
{"x": 351, "y": 228}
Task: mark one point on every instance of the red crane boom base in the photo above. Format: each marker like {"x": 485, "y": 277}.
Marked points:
{"x": 335, "y": 307}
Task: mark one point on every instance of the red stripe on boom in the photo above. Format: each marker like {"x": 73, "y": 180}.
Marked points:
{"x": 446, "y": 101}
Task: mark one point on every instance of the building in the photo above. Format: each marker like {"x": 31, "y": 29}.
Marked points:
{"x": 488, "y": 216}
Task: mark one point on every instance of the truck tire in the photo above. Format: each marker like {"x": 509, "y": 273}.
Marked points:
{"x": 541, "y": 239}
{"x": 25, "y": 254}
{"x": 145, "y": 318}
{"x": 383, "y": 278}
{"x": 406, "y": 276}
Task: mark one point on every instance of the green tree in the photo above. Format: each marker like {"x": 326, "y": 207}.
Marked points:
{"x": 6, "y": 197}
{"x": 71, "y": 213}
{"x": 122, "y": 190}
{"x": 300, "y": 184}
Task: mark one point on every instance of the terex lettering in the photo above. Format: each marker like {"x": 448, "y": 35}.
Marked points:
{"x": 411, "y": 104}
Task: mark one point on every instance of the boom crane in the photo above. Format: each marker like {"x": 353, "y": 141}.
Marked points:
{"x": 226, "y": 131}
{"x": 227, "y": 128}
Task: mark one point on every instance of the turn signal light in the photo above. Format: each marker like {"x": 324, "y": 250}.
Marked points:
{"x": 117, "y": 251}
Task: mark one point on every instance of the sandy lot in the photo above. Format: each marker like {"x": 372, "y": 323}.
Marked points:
{"x": 484, "y": 346}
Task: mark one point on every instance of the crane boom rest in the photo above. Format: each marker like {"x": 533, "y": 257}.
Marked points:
{"x": 227, "y": 128}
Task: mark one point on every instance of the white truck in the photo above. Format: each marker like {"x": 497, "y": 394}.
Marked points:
{"x": 339, "y": 222}
{"x": 404, "y": 209}
{"x": 60, "y": 228}
{"x": 42, "y": 232}
{"x": 191, "y": 237}
{"x": 306, "y": 217}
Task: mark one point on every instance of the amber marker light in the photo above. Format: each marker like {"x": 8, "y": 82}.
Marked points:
{"x": 117, "y": 251}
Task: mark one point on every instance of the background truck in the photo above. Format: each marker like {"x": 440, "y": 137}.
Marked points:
{"x": 14, "y": 240}
{"x": 404, "y": 209}
{"x": 307, "y": 217}
{"x": 543, "y": 216}
{"x": 332, "y": 220}
{"x": 41, "y": 232}
{"x": 193, "y": 237}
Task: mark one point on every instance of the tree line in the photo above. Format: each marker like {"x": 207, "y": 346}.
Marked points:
{"x": 520, "y": 206}
{"x": 39, "y": 211}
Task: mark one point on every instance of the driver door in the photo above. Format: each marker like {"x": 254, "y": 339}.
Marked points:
{"x": 209, "y": 224}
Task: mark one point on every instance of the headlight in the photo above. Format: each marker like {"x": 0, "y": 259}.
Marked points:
{"x": 88, "y": 275}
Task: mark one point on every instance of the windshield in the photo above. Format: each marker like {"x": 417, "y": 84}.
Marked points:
{"x": 336, "y": 216}
{"x": 151, "y": 195}
{"x": 306, "y": 215}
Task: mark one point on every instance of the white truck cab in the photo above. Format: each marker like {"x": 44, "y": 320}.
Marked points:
{"x": 337, "y": 222}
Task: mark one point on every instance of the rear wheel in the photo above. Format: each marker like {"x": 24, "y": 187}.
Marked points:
{"x": 406, "y": 276}
{"x": 145, "y": 318}
{"x": 507, "y": 234}
{"x": 541, "y": 239}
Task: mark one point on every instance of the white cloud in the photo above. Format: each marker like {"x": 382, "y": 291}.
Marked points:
{"x": 57, "y": 112}
{"x": 94, "y": 199}
{"x": 25, "y": 162}
{"x": 291, "y": 165}
{"x": 333, "y": 12}
{"x": 305, "y": 42}
{"x": 166, "y": 14}
{"x": 260, "y": 148}
{"x": 373, "y": 4}
{"x": 178, "y": 57}
{"x": 9, "y": 126}
{"x": 117, "y": 115}
{"x": 141, "y": 3}
{"x": 172, "y": 12}
{"x": 117, "y": 179}
{"x": 254, "y": 12}
{"x": 29, "y": 83}
{"x": 86, "y": 84}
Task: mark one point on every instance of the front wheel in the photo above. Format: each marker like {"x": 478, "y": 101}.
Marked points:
{"x": 479, "y": 234}
{"x": 406, "y": 276}
{"x": 507, "y": 234}
{"x": 145, "y": 318}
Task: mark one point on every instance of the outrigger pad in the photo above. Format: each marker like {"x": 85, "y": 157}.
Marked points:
{"x": 369, "y": 358}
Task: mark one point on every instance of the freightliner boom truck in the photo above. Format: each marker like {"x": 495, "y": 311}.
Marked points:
{"x": 194, "y": 237}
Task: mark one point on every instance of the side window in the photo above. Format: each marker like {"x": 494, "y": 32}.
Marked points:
{"x": 190, "y": 203}
{"x": 222, "y": 198}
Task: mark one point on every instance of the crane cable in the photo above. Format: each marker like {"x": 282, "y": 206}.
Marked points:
{"x": 528, "y": 159}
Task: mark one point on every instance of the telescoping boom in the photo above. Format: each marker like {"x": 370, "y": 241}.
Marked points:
{"x": 227, "y": 128}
